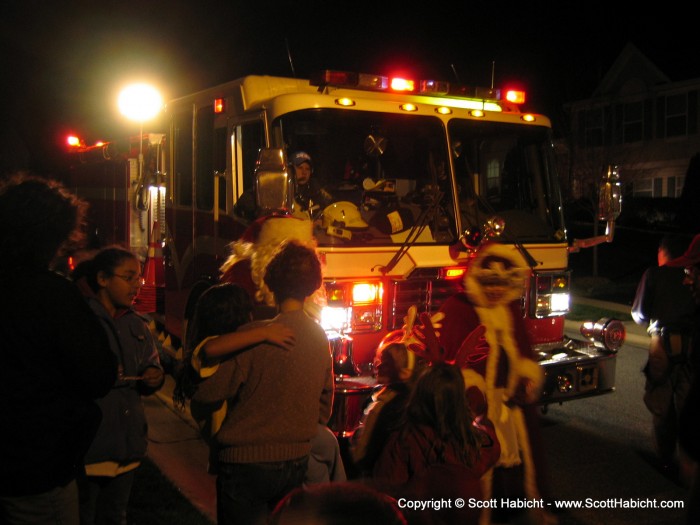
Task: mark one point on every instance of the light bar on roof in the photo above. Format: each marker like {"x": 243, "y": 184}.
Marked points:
{"x": 456, "y": 96}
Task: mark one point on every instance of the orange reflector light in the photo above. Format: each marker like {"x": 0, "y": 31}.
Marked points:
{"x": 403, "y": 84}
{"x": 516, "y": 97}
{"x": 454, "y": 273}
{"x": 345, "y": 102}
{"x": 219, "y": 105}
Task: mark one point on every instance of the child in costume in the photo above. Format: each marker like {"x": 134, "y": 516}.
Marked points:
{"x": 512, "y": 379}
{"x": 396, "y": 367}
{"x": 401, "y": 357}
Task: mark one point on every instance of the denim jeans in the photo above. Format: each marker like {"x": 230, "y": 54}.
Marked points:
{"x": 104, "y": 500}
{"x": 247, "y": 492}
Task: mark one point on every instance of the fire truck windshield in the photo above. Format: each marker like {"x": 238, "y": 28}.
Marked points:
{"x": 389, "y": 176}
{"x": 507, "y": 170}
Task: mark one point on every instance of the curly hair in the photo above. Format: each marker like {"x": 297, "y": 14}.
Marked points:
{"x": 39, "y": 219}
{"x": 294, "y": 272}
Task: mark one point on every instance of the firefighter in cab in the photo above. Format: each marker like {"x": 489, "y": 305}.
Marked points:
{"x": 310, "y": 197}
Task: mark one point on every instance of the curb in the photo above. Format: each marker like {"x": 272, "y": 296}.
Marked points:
{"x": 177, "y": 449}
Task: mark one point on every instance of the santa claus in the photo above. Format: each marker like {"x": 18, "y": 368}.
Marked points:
{"x": 251, "y": 254}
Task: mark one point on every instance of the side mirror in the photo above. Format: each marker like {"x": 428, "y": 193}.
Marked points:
{"x": 274, "y": 184}
{"x": 609, "y": 208}
{"x": 610, "y": 195}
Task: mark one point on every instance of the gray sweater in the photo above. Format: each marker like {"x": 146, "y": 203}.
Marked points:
{"x": 275, "y": 397}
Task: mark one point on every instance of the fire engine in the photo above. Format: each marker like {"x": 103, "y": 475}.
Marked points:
{"x": 419, "y": 172}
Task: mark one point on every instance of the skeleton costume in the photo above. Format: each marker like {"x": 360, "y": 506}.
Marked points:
{"x": 510, "y": 378}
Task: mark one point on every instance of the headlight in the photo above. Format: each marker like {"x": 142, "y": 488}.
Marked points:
{"x": 353, "y": 307}
{"x": 549, "y": 294}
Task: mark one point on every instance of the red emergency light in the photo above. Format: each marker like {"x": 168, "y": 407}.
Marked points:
{"x": 219, "y": 105}
{"x": 403, "y": 84}
{"x": 73, "y": 141}
{"x": 515, "y": 96}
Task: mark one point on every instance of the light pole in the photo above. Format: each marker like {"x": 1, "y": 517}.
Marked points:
{"x": 140, "y": 102}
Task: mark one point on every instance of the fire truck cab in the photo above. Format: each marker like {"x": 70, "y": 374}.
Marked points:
{"x": 418, "y": 171}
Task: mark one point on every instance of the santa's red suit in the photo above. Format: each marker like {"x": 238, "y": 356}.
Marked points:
{"x": 510, "y": 377}
{"x": 251, "y": 254}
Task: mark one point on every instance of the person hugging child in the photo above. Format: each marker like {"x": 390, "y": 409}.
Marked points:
{"x": 212, "y": 337}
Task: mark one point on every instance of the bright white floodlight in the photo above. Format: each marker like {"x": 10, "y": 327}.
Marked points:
{"x": 140, "y": 102}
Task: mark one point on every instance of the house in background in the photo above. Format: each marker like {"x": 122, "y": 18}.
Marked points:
{"x": 637, "y": 119}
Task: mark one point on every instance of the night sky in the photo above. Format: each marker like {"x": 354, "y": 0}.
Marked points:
{"x": 64, "y": 62}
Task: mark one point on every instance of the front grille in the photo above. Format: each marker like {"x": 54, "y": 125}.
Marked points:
{"x": 427, "y": 294}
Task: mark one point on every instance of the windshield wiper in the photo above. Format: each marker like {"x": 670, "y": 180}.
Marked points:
{"x": 427, "y": 214}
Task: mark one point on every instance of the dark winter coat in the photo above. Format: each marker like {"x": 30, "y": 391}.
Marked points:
{"x": 56, "y": 361}
{"x": 121, "y": 437}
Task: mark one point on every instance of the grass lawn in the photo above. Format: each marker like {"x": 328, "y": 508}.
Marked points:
{"x": 584, "y": 312}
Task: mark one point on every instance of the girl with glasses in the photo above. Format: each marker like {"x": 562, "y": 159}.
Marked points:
{"x": 110, "y": 282}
